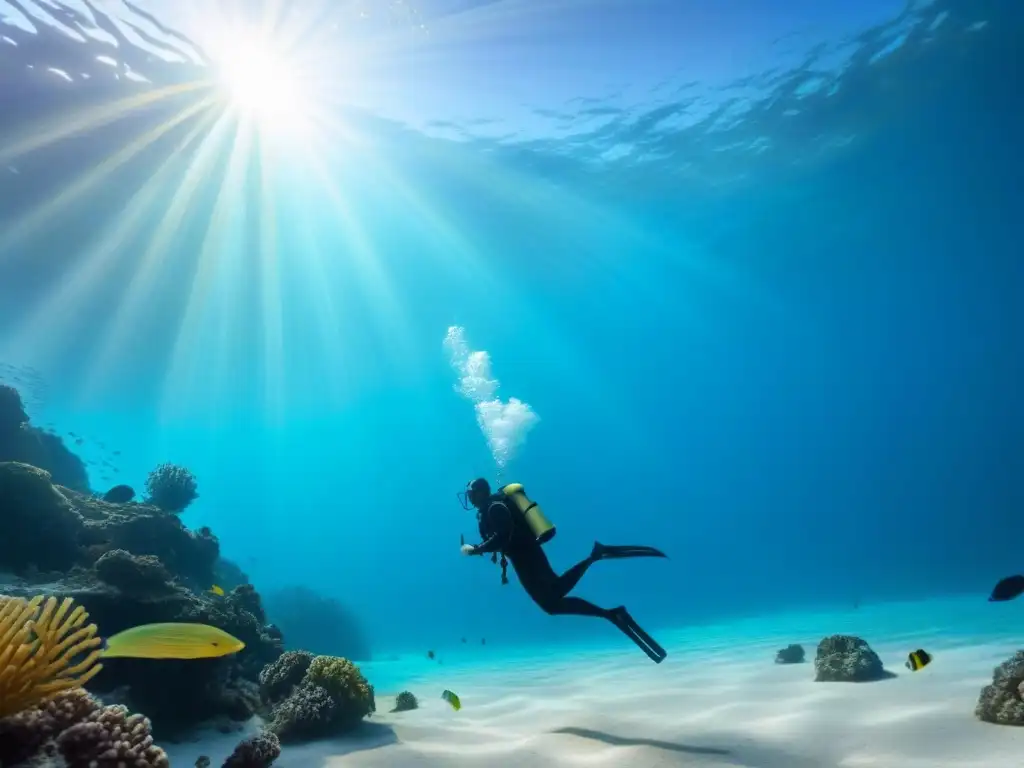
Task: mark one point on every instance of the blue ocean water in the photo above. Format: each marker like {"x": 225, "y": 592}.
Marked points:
{"x": 750, "y": 273}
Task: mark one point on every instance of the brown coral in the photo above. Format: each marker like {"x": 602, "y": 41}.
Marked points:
{"x": 38, "y": 642}
{"x": 111, "y": 738}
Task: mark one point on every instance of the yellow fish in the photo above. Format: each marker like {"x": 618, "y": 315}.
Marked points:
{"x": 172, "y": 641}
{"x": 219, "y": 591}
{"x": 452, "y": 699}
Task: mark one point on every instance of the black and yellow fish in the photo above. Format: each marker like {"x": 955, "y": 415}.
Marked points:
{"x": 919, "y": 659}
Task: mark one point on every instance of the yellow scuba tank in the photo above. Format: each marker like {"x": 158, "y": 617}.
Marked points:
{"x": 531, "y": 511}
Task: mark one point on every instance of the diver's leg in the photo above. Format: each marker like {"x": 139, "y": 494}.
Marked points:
{"x": 574, "y": 606}
{"x": 568, "y": 580}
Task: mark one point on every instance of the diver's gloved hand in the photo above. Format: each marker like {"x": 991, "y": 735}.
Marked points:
{"x": 469, "y": 549}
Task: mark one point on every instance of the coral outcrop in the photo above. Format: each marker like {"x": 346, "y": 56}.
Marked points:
{"x": 1001, "y": 701}
{"x": 405, "y": 701}
{"x": 847, "y": 659}
{"x": 171, "y": 488}
{"x": 791, "y": 654}
{"x": 259, "y": 751}
{"x": 315, "y": 696}
{"x": 77, "y": 729}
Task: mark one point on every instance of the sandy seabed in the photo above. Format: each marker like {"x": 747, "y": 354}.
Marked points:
{"x": 718, "y": 700}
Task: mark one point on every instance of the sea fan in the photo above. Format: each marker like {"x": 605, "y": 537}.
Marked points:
{"x": 39, "y": 640}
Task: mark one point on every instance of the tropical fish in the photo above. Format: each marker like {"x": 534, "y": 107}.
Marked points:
{"x": 172, "y": 641}
{"x": 219, "y": 591}
{"x": 431, "y": 655}
{"x": 919, "y": 659}
{"x": 1007, "y": 589}
{"x": 202, "y": 762}
{"x": 452, "y": 699}
{"x": 119, "y": 494}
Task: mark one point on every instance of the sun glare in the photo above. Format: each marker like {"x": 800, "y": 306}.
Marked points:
{"x": 264, "y": 86}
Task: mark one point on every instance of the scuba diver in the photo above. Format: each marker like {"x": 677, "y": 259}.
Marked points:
{"x": 515, "y": 527}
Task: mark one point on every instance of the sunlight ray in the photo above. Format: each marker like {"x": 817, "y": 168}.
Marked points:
{"x": 369, "y": 267}
{"x": 322, "y": 301}
{"x": 44, "y": 214}
{"x": 40, "y": 332}
{"x": 270, "y": 284}
{"x": 184, "y": 368}
{"x": 141, "y": 285}
{"x": 93, "y": 119}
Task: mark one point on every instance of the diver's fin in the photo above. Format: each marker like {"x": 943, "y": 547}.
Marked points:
{"x": 620, "y": 618}
{"x": 605, "y": 552}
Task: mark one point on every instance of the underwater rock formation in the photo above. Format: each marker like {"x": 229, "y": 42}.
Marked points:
{"x": 133, "y": 574}
{"x": 405, "y": 701}
{"x": 1000, "y": 701}
{"x": 40, "y": 526}
{"x": 330, "y": 698}
{"x": 48, "y": 527}
{"x": 847, "y": 659}
{"x": 21, "y": 442}
{"x": 171, "y": 488}
{"x": 259, "y": 751}
{"x": 317, "y": 623}
{"x": 791, "y": 654}
{"x": 74, "y": 729}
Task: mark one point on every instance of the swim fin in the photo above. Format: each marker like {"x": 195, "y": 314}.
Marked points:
{"x": 605, "y": 552}
{"x": 620, "y": 618}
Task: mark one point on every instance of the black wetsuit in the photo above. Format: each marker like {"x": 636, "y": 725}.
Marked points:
{"x": 505, "y": 530}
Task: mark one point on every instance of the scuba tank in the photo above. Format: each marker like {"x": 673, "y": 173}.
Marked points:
{"x": 531, "y": 512}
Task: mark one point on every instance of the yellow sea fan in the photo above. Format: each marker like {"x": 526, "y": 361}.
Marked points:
{"x": 40, "y": 640}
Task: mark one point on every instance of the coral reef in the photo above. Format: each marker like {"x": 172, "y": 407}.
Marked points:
{"x": 21, "y": 442}
{"x": 1000, "y": 701}
{"x": 259, "y": 751}
{"x": 315, "y": 696}
{"x": 405, "y": 701}
{"x": 80, "y": 731}
{"x": 131, "y": 564}
{"x": 847, "y": 659}
{"x": 316, "y": 623}
{"x": 171, "y": 488}
{"x": 791, "y": 654}
{"x": 120, "y": 564}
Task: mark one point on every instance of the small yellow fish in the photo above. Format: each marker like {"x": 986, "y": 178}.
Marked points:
{"x": 172, "y": 641}
{"x": 452, "y": 699}
{"x": 219, "y": 591}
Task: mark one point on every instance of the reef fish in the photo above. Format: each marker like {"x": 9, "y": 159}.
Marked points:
{"x": 452, "y": 699}
{"x": 217, "y": 590}
{"x": 172, "y": 641}
{"x": 1007, "y": 589}
{"x": 119, "y": 494}
{"x": 918, "y": 659}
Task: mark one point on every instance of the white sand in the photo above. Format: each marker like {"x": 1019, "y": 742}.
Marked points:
{"x": 717, "y": 702}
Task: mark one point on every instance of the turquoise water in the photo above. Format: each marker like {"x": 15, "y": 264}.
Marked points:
{"x": 752, "y": 273}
